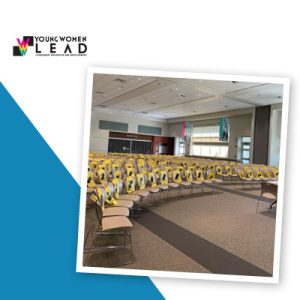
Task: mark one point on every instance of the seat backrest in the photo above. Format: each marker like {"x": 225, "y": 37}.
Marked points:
{"x": 241, "y": 173}
{"x": 230, "y": 170}
{"x": 210, "y": 174}
{"x": 130, "y": 184}
{"x": 98, "y": 197}
{"x": 219, "y": 170}
{"x": 115, "y": 167}
{"x": 199, "y": 175}
{"x": 99, "y": 212}
{"x": 176, "y": 176}
{"x": 163, "y": 177}
{"x": 168, "y": 169}
{"x": 117, "y": 174}
{"x": 101, "y": 174}
{"x": 129, "y": 172}
{"x": 109, "y": 191}
{"x": 152, "y": 179}
{"x": 275, "y": 171}
{"x": 258, "y": 174}
{"x": 107, "y": 164}
{"x": 101, "y": 167}
{"x": 203, "y": 167}
{"x": 140, "y": 181}
{"x": 118, "y": 186}
{"x": 188, "y": 175}
{"x": 90, "y": 180}
{"x": 249, "y": 173}
{"x": 156, "y": 171}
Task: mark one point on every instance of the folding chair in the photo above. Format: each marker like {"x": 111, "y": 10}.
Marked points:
{"x": 117, "y": 226}
{"x": 199, "y": 179}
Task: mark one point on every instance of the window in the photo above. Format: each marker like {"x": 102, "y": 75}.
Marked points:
{"x": 208, "y": 134}
{"x": 245, "y": 145}
{"x": 115, "y": 126}
{"x": 205, "y": 142}
{"x": 149, "y": 130}
{"x": 182, "y": 148}
{"x": 116, "y": 145}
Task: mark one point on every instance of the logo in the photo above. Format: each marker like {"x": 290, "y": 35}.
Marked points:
{"x": 23, "y": 45}
{"x": 52, "y": 46}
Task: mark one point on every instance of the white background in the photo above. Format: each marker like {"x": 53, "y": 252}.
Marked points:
{"x": 229, "y": 37}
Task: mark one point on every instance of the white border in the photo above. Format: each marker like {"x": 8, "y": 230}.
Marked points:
{"x": 184, "y": 275}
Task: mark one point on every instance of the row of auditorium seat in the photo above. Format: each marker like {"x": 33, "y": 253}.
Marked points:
{"x": 119, "y": 183}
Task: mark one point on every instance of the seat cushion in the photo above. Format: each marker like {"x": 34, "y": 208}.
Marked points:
{"x": 163, "y": 187}
{"x": 130, "y": 197}
{"x": 153, "y": 189}
{"x": 197, "y": 182}
{"x": 142, "y": 193}
{"x": 269, "y": 196}
{"x": 184, "y": 183}
{"x": 116, "y": 211}
{"x": 124, "y": 203}
{"x": 173, "y": 185}
{"x": 109, "y": 223}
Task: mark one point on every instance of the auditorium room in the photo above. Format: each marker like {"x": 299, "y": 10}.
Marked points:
{"x": 182, "y": 174}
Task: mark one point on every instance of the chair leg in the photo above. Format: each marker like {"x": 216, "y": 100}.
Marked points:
{"x": 274, "y": 202}
{"x": 257, "y": 205}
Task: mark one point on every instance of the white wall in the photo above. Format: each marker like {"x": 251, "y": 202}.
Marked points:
{"x": 275, "y": 134}
{"x": 132, "y": 121}
{"x": 239, "y": 126}
{"x": 99, "y": 138}
{"x": 174, "y": 129}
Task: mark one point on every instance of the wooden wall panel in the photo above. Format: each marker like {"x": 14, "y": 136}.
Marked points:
{"x": 261, "y": 135}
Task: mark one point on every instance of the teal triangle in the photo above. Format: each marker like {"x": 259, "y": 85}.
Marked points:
{"x": 39, "y": 206}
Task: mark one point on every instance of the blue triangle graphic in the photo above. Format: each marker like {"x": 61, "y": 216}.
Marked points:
{"x": 39, "y": 205}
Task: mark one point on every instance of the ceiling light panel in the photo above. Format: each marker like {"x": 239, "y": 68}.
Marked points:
{"x": 143, "y": 88}
{"x": 106, "y": 87}
{"x": 164, "y": 97}
{"x": 201, "y": 107}
{"x": 227, "y": 86}
{"x": 265, "y": 94}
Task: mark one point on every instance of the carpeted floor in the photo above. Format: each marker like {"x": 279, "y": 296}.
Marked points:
{"x": 218, "y": 232}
